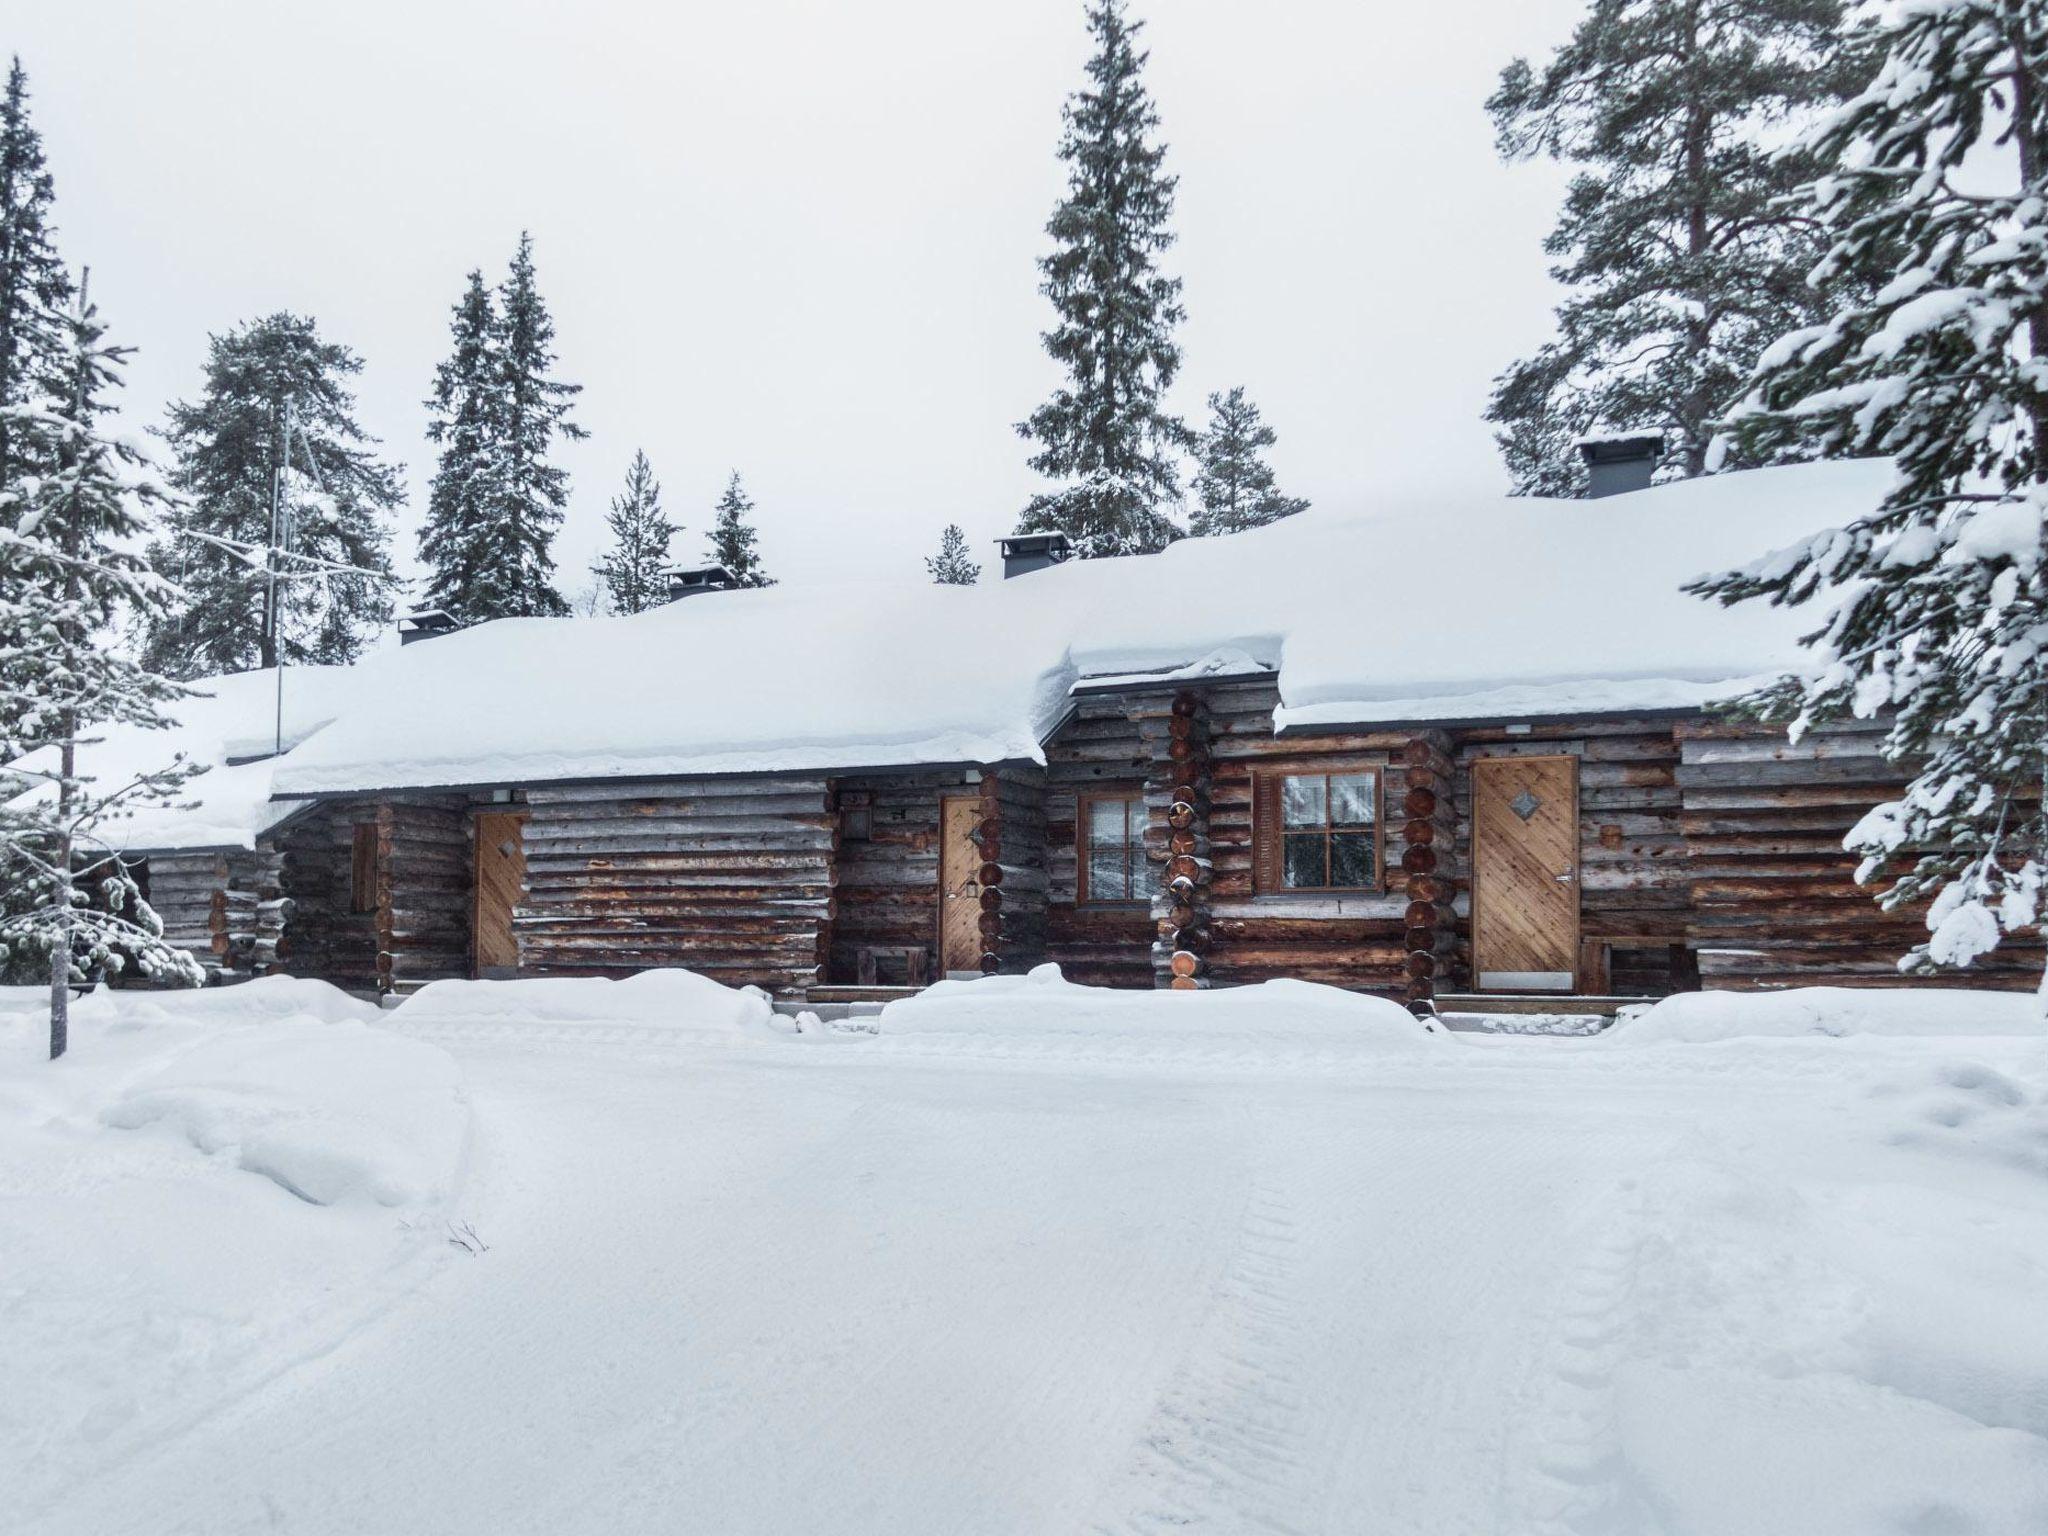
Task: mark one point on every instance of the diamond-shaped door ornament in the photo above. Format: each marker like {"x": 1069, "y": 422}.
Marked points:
{"x": 1525, "y": 805}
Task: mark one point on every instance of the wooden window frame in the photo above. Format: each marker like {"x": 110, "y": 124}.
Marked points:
{"x": 362, "y": 868}
{"x": 1268, "y": 868}
{"x": 1134, "y": 826}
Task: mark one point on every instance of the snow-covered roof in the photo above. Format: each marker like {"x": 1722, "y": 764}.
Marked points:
{"x": 1411, "y": 612}
{"x": 231, "y": 725}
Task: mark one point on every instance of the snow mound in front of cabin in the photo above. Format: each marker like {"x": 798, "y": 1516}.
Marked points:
{"x": 1045, "y": 1014}
{"x": 208, "y": 1186}
{"x": 1697, "y": 1018}
{"x": 656, "y": 1007}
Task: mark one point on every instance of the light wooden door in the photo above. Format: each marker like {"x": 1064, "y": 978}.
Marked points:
{"x": 1525, "y": 873}
{"x": 959, "y": 885}
{"x": 500, "y": 878}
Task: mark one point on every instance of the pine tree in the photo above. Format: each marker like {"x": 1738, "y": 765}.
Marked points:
{"x": 1679, "y": 261}
{"x": 733, "y": 537}
{"x": 634, "y": 569}
{"x": 1940, "y": 616}
{"x": 1234, "y": 480}
{"x": 1106, "y": 435}
{"x": 67, "y": 569}
{"x": 528, "y": 495}
{"x": 951, "y": 566}
{"x": 35, "y": 289}
{"x": 339, "y": 499}
{"x": 456, "y": 539}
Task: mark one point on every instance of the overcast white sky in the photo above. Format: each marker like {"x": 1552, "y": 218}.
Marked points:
{"x": 797, "y": 237}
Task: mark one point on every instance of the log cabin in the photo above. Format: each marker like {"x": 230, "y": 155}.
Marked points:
{"x": 1452, "y": 754}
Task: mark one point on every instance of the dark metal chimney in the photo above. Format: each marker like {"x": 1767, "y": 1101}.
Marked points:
{"x": 425, "y": 625}
{"x": 1620, "y": 463}
{"x": 1024, "y": 553}
{"x": 710, "y": 578}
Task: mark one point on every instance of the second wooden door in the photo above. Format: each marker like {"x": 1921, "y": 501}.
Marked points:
{"x": 1525, "y": 873}
{"x": 500, "y": 880}
{"x": 959, "y": 885}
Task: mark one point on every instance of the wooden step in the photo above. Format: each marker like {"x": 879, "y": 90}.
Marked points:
{"x": 1535, "y": 1002}
{"x": 849, "y": 994}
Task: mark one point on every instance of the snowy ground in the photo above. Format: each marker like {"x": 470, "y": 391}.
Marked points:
{"x": 1021, "y": 1261}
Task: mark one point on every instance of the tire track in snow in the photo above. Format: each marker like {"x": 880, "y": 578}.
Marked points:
{"x": 1221, "y": 1449}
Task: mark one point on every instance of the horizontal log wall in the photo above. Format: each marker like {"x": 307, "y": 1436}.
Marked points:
{"x": 225, "y": 909}
{"x": 1100, "y": 748}
{"x": 1774, "y": 896}
{"x": 732, "y": 878}
{"x": 324, "y": 938}
{"x": 887, "y": 885}
{"x": 1634, "y": 881}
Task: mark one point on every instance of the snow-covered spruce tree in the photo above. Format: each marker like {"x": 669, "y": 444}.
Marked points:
{"x": 457, "y": 538}
{"x": 1233, "y": 479}
{"x": 1679, "y": 261}
{"x": 341, "y": 498}
{"x": 1105, "y": 437}
{"x": 67, "y": 571}
{"x": 733, "y": 537}
{"x": 952, "y": 566}
{"x": 528, "y": 493}
{"x": 34, "y": 287}
{"x": 1945, "y": 371}
{"x": 633, "y": 569}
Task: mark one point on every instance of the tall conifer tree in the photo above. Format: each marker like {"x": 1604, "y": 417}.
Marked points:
{"x": 1234, "y": 480}
{"x": 456, "y": 541}
{"x": 634, "y": 570}
{"x": 1935, "y": 199}
{"x": 1679, "y": 258}
{"x": 952, "y": 566}
{"x": 529, "y": 493}
{"x": 733, "y": 537}
{"x": 1105, "y": 437}
{"x": 340, "y": 501}
{"x": 34, "y": 287}
{"x": 67, "y": 570}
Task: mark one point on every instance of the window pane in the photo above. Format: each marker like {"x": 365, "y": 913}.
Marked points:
{"x": 1351, "y": 800}
{"x": 1106, "y": 822}
{"x": 1301, "y": 801}
{"x": 1351, "y": 858}
{"x": 1302, "y": 860}
{"x": 1108, "y": 874}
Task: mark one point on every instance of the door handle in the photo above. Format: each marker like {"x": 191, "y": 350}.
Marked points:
{"x": 1566, "y": 877}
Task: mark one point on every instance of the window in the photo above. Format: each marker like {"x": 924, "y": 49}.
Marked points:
{"x": 1318, "y": 831}
{"x": 362, "y": 868}
{"x": 1111, "y": 831}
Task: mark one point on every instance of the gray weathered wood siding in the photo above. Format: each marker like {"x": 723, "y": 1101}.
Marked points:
{"x": 731, "y": 877}
{"x": 225, "y": 908}
{"x": 1099, "y": 750}
{"x": 1774, "y": 899}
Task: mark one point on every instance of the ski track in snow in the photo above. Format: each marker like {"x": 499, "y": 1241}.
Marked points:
{"x": 938, "y": 1285}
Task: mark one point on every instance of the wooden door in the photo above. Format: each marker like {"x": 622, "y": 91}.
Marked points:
{"x": 500, "y": 878}
{"x": 1525, "y": 873}
{"x": 959, "y": 885}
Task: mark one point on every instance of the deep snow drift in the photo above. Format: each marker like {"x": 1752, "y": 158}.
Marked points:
{"x": 209, "y": 1187}
{"x": 1034, "y": 1258}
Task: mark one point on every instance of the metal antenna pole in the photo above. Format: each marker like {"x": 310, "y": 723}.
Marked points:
{"x": 278, "y": 516}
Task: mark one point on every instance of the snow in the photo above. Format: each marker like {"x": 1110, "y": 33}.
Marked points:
{"x": 1045, "y": 1012}
{"x": 229, "y": 718}
{"x": 1033, "y": 1259}
{"x": 210, "y": 1188}
{"x": 820, "y": 678}
{"x": 1698, "y": 1017}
